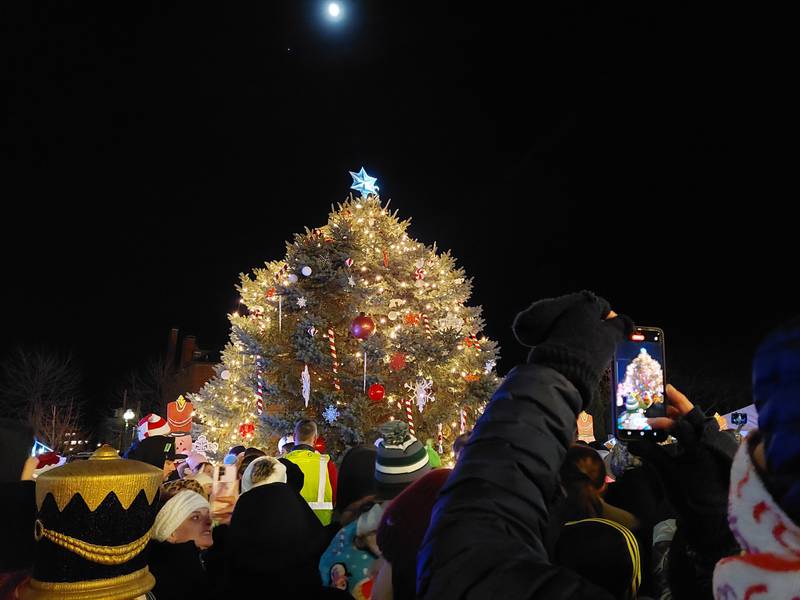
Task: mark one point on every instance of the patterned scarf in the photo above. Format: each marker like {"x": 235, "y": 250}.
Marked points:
{"x": 769, "y": 566}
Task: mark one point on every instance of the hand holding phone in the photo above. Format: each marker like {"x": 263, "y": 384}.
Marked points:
{"x": 678, "y": 405}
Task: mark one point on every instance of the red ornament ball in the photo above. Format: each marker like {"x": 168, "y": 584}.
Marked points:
{"x": 362, "y": 327}
{"x": 397, "y": 362}
{"x": 246, "y": 429}
{"x": 320, "y": 445}
{"x": 376, "y": 392}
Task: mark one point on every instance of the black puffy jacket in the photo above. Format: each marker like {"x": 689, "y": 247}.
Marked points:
{"x": 488, "y": 529}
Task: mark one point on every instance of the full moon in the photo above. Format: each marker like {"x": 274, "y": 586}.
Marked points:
{"x": 334, "y": 9}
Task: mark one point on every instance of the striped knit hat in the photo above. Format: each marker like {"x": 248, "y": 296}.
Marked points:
{"x": 401, "y": 459}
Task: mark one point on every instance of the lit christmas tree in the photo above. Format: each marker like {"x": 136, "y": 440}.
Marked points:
{"x": 640, "y": 389}
{"x": 357, "y": 325}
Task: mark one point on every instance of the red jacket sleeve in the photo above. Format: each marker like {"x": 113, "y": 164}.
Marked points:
{"x": 333, "y": 475}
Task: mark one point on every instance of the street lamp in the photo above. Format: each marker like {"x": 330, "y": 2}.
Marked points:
{"x": 127, "y": 415}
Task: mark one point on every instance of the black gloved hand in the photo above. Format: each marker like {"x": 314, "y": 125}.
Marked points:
{"x": 571, "y": 335}
{"x": 696, "y": 477}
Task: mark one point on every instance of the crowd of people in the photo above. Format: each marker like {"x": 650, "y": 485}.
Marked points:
{"x": 528, "y": 511}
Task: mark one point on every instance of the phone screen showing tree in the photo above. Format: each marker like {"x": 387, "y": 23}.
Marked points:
{"x": 639, "y": 381}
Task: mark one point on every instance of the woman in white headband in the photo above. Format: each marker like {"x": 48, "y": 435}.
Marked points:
{"x": 180, "y": 534}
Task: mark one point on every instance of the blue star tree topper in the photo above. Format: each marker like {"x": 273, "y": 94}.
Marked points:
{"x": 363, "y": 183}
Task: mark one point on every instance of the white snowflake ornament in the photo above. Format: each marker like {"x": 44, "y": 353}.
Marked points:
{"x": 301, "y": 302}
{"x": 203, "y": 446}
{"x": 330, "y": 414}
{"x": 423, "y": 391}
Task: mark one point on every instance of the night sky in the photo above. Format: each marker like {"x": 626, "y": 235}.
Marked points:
{"x": 155, "y": 150}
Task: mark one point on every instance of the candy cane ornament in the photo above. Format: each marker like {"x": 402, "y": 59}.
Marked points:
{"x": 427, "y": 324}
{"x": 463, "y": 418}
{"x": 475, "y": 343}
{"x": 332, "y": 341}
{"x": 259, "y": 394}
{"x": 281, "y": 272}
{"x": 410, "y": 416}
{"x": 439, "y": 439}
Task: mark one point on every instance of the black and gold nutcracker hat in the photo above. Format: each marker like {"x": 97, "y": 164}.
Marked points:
{"x": 93, "y": 524}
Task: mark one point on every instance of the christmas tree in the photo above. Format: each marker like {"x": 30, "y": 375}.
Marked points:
{"x": 640, "y": 389}
{"x": 358, "y": 324}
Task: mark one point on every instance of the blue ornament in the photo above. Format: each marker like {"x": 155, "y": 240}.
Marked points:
{"x": 364, "y": 183}
{"x": 330, "y": 414}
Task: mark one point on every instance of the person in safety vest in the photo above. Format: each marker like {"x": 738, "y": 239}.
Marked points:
{"x": 319, "y": 486}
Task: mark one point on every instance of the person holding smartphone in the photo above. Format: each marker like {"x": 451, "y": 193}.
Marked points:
{"x": 738, "y": 529}
{"x": 487, "y": 536}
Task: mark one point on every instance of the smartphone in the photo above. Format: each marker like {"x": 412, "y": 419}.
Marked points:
{"x": 638, "y": 390}
{"x": 224, "y": 484}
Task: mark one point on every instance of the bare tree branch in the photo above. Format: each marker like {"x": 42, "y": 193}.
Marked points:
{"x": 43, "y": 388}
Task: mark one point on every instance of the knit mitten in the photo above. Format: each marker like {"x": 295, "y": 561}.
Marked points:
{"x": 571, "y": 335}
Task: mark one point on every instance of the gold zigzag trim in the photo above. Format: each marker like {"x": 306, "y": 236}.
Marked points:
{"x": 94, "y": 479}
{"x": 104, "y": 555}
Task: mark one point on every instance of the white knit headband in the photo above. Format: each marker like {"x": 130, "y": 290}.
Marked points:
{"x": 176, "y": 511}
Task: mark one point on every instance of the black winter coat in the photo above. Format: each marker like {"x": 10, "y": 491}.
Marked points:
{"x": 18, "y": 506}
{"x": 274, "y": 542}
{"x": 489, "y": 526}
{"x": 178, "y": 571}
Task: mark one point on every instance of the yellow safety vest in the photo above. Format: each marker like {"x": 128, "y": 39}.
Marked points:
{"x": 317, "y": 490}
